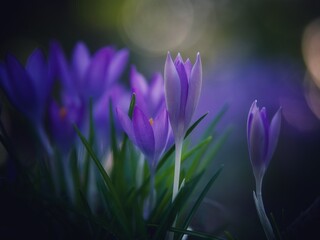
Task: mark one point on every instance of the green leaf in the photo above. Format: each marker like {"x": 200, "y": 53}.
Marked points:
{"x": 215, "y": 121}
{"x": 192, "y": 233}
{"x": 199, "y": 200}
{"x": 213, "y": 151}
{"x": 170, "y": 214}
{"x": 171, "y": 150}
{"x": 86, "y": 165}
{"x": 132, "y": 104}
{"x": 113, "y": 197}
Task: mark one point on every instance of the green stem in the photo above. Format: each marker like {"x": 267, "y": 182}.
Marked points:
{"x": 262, "y": 213}
{"x": 177, "y": 168}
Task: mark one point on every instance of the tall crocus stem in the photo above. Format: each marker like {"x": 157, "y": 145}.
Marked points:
{"x": 257, "y": 196}
{"x": 177, "y": 164}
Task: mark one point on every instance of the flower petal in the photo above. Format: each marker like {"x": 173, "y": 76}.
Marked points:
{"x": 274, "y": 131}
{"x": 23, "y": 88}
{"x": 194, "y": 90}
{"x": 117, "y": 65}
{"x": 80, "y": 61}
{"x": 126, "y": 124}
{"x": 58, "y": 66}
{"x": 253, "y": 109}
{"x": 172, "y": 91}
{"x": 257, "y": 144}
{"x": 94, "y": 83}
{"x": 38, "y": 71}
{"x": 138, "y": 82}
{"x": 161, "y": 133}
{"x": 143, "y": 133}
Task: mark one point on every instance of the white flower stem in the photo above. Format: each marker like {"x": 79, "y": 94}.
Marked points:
{"x": 257, "y": 196}
{"x": 177, "y": 164}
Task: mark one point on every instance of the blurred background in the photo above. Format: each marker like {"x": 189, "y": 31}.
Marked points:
{"x": 267, "y": 50}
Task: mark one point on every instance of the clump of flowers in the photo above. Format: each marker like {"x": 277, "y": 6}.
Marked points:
{"x": 112, "y": 155}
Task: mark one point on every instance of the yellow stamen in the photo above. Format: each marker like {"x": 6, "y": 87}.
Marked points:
{"x": 63, "y": 112}
{"x": 151, "y": 121}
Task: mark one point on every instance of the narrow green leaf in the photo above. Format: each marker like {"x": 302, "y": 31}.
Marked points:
{"x": 87, "y": 162}
{"x": 200, "y": 145}
{"x": 215, "y": 121}
{"x": 192, "y": 233}
{"x": 213, "y": 151}
{"x": 275, "y": 226}
{"x": 173, "y": 209}
{"x": 171, "y": 150}
{"x": 113, "y": 196}
{"x": 132, "y": 104}
{"x": 199, "y": 199}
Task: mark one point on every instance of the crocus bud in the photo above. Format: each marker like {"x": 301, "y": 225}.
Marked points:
{"x": 182, "y": 83}
{"x": 262, "y": 137}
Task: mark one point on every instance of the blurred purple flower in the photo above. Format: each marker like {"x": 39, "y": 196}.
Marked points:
{"x": 262, "y": 139}
{"x": 149, "y": 98}
{"x": 182, "y": 83}
{"x": 27, "y": 88}
{"x": 89, "y": 75}
{"x": 120, "y": 98}
{"x": 149, "y": 135}
{"x": 62, "y": 118}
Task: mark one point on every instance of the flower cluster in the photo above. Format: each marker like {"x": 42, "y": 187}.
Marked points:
{"x": 62, "y": 99}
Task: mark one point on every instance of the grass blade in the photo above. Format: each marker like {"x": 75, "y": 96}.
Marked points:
{"x": 199, "y": 199}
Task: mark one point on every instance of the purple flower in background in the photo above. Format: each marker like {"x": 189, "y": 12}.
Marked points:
{"x": 89, "y": 75}
{"x": 62, "y": 118}
{"x": 182, "y": 83}
{"x": 120, "y": 98}
{"x": 27, "y": 88}
{"x": 149, "y": 135}
{"x": 149, "y": 98}
{"x": 262, "y": 139}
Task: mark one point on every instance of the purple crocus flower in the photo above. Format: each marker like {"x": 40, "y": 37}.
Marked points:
{"x": 182, "y": 83}
{"x": 262, "y": 139}
{"x": 120, "y": 98}
{"x": 149, "y": 97}
{"x": 27, "y": 88}
{"x": 63, "y": 116}
{"x": 149, "y": 135}
{"x": 89, "y": 75}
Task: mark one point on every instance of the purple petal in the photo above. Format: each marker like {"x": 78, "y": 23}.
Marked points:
{"x": 172, "y": 91}
{"x": 194, "y": 90}
{"x": 156, "y": 94}
{"x": 94, "y": 83}
{"x": 38, "y": 71}
{"x": 22, "y": 87}
{"x": 274, "y": 131}
{"x": 143, "y": 133}
{"x": 138, "y": 82}
{"x": 184, "y": 89}
{"x": 188, "y": 67}
{"x": 126, "y": 124}
{"x": 265, "y": 121}
{"x": 161, "y": 132}
{"x": 80, "y": 60}
{"x": 117, "y": 65}
{"x": 59, "y": 66}
{"x": 257, "y": 144}
{"x": 252, "y": 110}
